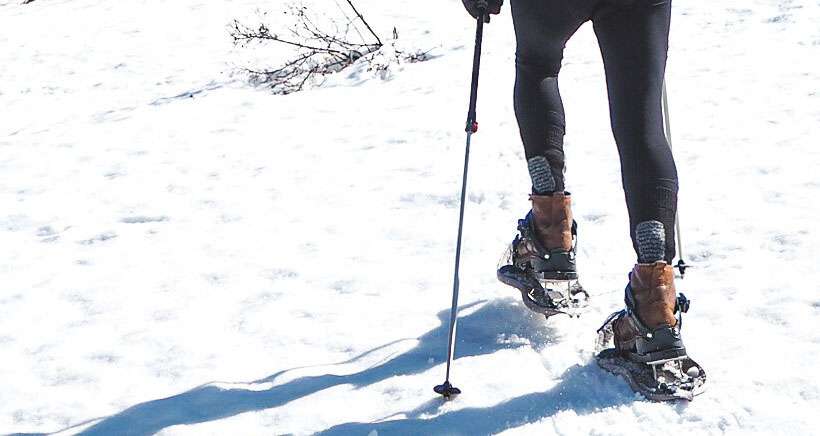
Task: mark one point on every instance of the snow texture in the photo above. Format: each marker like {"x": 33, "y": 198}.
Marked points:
{"x": 185, "y": 254}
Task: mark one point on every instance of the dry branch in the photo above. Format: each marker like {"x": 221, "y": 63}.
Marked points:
{"x": 317, "y": 50}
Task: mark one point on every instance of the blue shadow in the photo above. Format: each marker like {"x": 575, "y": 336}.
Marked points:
{"x": 583, "y": 389}
{"x": 477, "y": 335}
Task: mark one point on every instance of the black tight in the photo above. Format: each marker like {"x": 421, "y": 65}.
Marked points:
{"x": 633, "y": 37}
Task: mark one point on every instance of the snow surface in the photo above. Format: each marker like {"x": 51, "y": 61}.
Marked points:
{"x": 186, "y": 254}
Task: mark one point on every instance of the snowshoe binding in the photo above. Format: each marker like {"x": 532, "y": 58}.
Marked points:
{"x": 651, "y": 357}
{"x": 546, "y": 277}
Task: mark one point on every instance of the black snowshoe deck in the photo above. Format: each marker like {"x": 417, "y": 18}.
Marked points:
{"x": 672, "y": 380}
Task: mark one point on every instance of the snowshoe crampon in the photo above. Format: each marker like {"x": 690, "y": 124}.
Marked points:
{"x": 547, "y": 294}
{"x": 665, "y": 380}
{"x": 678, "y": 378}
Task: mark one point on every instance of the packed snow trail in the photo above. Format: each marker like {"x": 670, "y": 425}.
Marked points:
{"x": 186, "y": 254}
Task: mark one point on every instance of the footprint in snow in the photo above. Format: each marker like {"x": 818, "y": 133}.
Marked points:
{"x": 281, "y": 273}
{"x": 140, "y": 219}
{"x": 47, "y": 234}
{"x": 113, "y": 175}
{"x": 102, "y": 237}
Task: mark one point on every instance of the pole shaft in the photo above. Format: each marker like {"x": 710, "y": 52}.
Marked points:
{"x": 668, "y": 127}
{"x": 454, "y": 307}
{"x": 471, "y": 120}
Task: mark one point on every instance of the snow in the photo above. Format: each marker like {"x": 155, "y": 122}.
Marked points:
{"x": 187, "y": 254}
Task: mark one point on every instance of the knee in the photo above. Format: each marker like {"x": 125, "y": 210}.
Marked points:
{"x": 643, "y": 146}
{"x": 538, "y": 66}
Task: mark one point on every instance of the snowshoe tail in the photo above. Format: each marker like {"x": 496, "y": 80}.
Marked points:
{"x": 666, "y": 380}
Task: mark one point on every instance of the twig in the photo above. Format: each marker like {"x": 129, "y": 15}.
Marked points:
{"x": 365, "y": 22}
{"x": 284, "y": 41}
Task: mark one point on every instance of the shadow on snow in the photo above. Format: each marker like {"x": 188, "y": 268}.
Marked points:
{"x": 582, "y": 389}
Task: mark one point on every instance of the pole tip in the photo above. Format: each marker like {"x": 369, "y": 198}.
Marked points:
{"x": 447, "y": 390}
{"x": 682, "y": 267}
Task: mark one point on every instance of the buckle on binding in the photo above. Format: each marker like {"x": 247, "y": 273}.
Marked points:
{"x": 682, "y": 303}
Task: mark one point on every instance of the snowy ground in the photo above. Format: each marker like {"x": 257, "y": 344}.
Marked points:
{"x": 185, "y": 254}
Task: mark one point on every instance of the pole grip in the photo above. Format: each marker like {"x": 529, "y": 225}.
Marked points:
{"x": 472, "y": 121}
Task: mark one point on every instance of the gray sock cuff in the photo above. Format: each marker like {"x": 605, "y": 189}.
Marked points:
{"x": 650, "y": 237}
{"x": 541, "y": 175}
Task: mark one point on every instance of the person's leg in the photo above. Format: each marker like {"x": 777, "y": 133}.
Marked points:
{"x": 544, "y": 248}
{"x": 542, "y": 28}
{"x": 633, "y": 36}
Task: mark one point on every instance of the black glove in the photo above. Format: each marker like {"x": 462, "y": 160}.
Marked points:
{"x": 474, "y": 7}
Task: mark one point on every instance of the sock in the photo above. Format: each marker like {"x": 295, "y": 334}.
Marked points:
{"x": 651, "y": 240}
{"x": 541, "y": 175}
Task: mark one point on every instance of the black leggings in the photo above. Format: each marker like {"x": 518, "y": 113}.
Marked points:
{"x": 633, "y": 36}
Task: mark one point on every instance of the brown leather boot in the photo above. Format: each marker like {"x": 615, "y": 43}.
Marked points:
{"x": 648, "y": 329}
{"x": 541, "y": 259}
{"x": 545, "y": 244}
{"x": 552, "y": 220}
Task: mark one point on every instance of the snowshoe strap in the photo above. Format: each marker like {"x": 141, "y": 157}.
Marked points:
{"x": 610, "y": 319}
{"x": 681, "y": 306}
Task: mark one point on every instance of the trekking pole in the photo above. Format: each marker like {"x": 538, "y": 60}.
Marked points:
{"x": 446, "y": 389}
{"x": 681, "y": 265}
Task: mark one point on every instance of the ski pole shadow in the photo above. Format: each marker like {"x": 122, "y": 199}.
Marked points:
{"x": 582, "y": 389}
{"x": 479, "y": 329}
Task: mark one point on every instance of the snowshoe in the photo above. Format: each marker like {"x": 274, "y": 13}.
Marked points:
{"x": 653, "y": 360}
{"x": 547, "y": 279}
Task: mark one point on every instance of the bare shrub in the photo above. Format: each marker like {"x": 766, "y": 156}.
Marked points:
{"x": 319, "y": 48}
